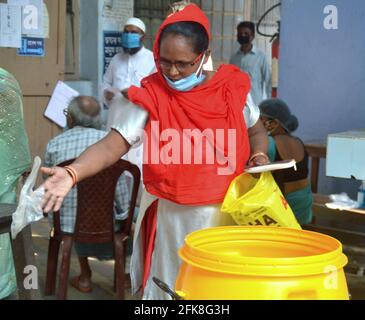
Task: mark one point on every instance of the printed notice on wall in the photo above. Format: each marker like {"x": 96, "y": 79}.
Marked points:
{"x": 31, "y": 19}
{"x": 112, "y": 46}
{"x": 60, "y": 100}
{"x": 32, "y": 47}
{"x": 21, "y": 3}
{"x": 10, "y": 26}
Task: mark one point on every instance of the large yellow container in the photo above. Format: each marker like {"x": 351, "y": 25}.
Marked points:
{"x": 261, "y": 263}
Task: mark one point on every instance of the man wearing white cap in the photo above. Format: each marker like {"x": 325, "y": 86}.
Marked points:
{"x": 130, "y": 66}
{"x": 127, "y": 68}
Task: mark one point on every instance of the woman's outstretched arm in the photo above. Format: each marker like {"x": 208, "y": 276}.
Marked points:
{"x": 96, "y": 158}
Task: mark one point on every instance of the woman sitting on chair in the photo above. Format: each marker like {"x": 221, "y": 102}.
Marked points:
{"x": 280, "y": 123}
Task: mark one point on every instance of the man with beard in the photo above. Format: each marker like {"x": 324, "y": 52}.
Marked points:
{"x": 253, "y": 61}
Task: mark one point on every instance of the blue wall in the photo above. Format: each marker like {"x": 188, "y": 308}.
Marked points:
{"x": 322, "y": 72}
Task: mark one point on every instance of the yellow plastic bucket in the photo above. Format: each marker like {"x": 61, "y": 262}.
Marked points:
{"x": 261, "y": 263}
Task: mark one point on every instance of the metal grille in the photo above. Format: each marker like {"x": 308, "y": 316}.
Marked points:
{"x": 268, "y": 26}
{"x": 223, "y": 16}
{"x": 153, "y": 13}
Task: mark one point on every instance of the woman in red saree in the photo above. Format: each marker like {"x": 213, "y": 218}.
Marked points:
{"x": 198, "y": 137}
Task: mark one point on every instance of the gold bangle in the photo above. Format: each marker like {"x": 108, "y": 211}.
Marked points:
{"x": 258, "y": 154}
{"x": 72, "y": 172}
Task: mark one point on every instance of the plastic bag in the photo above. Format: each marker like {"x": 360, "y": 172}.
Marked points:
{"x": 342, "y": 202}
{"x": 252, "y": 201}
{"x": 30, "y": 202}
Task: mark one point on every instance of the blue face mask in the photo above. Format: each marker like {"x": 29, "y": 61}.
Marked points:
{"x": 188, "y": 83}
{"x": 131, "y": 40}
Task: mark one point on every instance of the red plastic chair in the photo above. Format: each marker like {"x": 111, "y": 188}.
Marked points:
{"x": 94, "y": 224}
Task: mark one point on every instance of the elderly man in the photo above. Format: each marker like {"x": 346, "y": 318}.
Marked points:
{"x": 83, "y": 122}
{"x": 253, "y": 61}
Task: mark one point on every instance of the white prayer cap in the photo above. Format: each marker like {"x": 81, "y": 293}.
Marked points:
{"x": 137, "y": 23}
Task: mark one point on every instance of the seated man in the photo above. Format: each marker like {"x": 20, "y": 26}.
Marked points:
{"x": 83, "y": 122}
{"x": 280, "y": 123}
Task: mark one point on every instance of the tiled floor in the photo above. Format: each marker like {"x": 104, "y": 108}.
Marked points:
{"x": 103, "y": 272}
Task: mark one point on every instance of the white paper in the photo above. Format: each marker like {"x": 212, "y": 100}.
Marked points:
{"x": 44, "y": 12}
{"x": 45, "y": 22}
{"x": 60, "y": 100}
{"x": 18, "y": 2}
{"x": 10, "y": 26}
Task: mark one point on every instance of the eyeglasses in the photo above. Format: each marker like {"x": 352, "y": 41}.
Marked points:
{"x": 180, "y": 66}
{"x": 65, "y": 112}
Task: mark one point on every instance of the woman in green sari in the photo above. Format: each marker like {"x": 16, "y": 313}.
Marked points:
{"x": 14, "y": 160}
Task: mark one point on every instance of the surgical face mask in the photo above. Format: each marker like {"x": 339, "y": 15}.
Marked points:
{"x": 243, "y": 40}
{"x": 131, "y": 40}
{"x": 188, "y": 83}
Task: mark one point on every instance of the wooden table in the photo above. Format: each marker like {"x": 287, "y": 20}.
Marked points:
{"x": 347, "y": 226}
{"x": 316, "y": 149}
{"x": 22, "y": 251}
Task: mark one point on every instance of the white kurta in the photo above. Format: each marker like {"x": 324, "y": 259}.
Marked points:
{"x": 174, "y": 221}
{"x": 125, "y": 70}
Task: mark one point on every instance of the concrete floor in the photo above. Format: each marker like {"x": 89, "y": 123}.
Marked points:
{"x": 103, "y": 272}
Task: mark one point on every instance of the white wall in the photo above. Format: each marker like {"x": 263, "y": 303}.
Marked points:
{"x": 115, "y": 17}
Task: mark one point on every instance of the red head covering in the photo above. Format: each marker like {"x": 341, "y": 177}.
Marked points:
{"x": 190, "y": 13}
{"x": 216, "y": 106}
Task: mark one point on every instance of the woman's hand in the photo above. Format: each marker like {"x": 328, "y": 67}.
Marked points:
{"x": 108, "y": 95}
{"x": 258, "y": 159}
{"x": 57, "y": 186}
{"x": 124, "y": 92}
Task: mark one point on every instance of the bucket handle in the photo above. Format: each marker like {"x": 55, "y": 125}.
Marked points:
{"x": 164, "y": 287}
